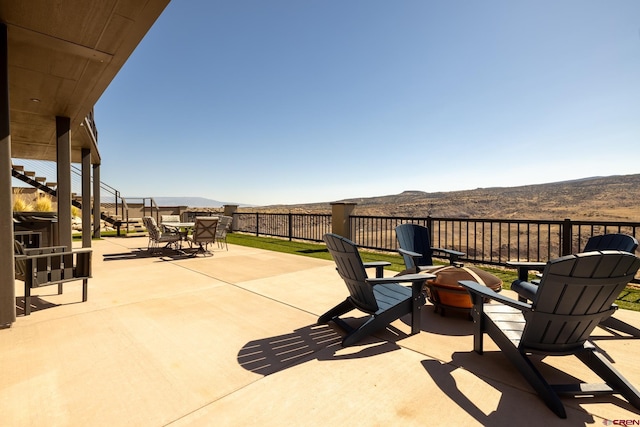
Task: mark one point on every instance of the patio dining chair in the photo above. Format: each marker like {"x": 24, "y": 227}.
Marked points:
{"x": 384, "y": 299}
{"x": 165, "y": 219}
{"x": 204, "y": 233}
{"x": 157, "y": 236}
{"x": 415, "y": 247}
{"x": 575, "y": 294}
{"x": 224, "y": 224}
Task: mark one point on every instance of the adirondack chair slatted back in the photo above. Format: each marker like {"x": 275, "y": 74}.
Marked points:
{"x": 352, "y": 271}
{"x": 618, "y": 241}
{"x": 415, "y": 238}
{"x": 576, "y": 292}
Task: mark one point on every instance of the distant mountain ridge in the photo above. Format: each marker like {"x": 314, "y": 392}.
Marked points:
{"x": 194, "y": 202}
{"x": 612, "y": 198}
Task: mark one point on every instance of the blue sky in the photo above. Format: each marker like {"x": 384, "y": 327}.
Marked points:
{"x": 296, "y": 101}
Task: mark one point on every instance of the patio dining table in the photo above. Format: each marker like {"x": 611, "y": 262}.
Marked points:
{"x": 183, "y": 227}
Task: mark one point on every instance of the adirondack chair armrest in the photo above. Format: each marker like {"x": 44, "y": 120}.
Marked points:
{"x": 409, "y": 253}
{"x": 414, "y": 257}
{"x": 413, "y": 278}
{"x": 475, "y": 288}
{"x": 450, "y": 253}
{"x": 378, "y": 265}
{"x": 524, "y": 267}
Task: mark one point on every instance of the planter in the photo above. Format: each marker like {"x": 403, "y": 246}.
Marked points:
{"x": 39, "y": 222}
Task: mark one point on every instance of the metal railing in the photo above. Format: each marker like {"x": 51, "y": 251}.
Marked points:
{"x": 492, "y": 241}
{"x": 484, "y": 241}
{"x": 291, "y": 226}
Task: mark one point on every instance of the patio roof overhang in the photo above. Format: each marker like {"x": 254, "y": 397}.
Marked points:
{"x": 56, "y": 60}
{"x": 61, "y": 57}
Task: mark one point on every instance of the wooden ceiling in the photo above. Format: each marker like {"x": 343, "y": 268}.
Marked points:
{"x": 62, "y": 56}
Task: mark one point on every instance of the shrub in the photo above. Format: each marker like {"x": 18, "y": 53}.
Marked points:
{"x": 21, "y": 205}
{"x": 43, "y": 204}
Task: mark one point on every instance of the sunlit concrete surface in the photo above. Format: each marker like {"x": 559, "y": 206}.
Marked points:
{"x": 231, "y": 340}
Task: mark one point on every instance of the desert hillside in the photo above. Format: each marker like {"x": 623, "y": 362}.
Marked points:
{"x": 614, "y": 198}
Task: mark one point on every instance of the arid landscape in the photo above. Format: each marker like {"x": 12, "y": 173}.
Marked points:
{"x": 614, "y": 198}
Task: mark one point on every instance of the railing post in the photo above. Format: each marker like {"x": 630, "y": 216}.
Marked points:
{"x": 340, "y": 218}
{"x": 229, "y": 210}
{"x": 257, "y": 224}
{"x": 290, "y": 219}
{"x": 567, "y": 233}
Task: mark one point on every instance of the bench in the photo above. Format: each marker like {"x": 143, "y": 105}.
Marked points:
{"x": 53, "y": 265}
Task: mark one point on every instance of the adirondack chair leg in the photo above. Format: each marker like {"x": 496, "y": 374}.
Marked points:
{"x": 85, "y": 283}
{"x": 619, "y": 325}
{"x": 527, "y": 370}
{"x": 595, "y": 360}
{"x": 418, "y": 299}
{"x": 376, "y": 323}
{"x": 340, "y": 309}
{"x": 477, "y": 315}
{"x": 60, "y": 289}
{"x": 531, "y": 374}
{"x": 367, "y": 328}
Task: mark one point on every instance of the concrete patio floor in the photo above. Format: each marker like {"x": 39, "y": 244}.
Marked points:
{"x": 231, "y": 340}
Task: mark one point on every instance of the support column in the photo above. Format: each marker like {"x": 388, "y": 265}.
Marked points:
{"x": 229, "y": 210}
{"x": 63, "y": 147}
{"x": 97, "y": 208}
{"x": 86, "y": 198}
{"x": 7, "y": 272}
{"x": 340, "y": 214}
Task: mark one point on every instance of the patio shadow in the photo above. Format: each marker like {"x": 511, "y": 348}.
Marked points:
{"x": 37, "y": 303}
{"x": 490, "y": 367}
{"x": 273, "y": 354}
{"x": 162, "y": 254}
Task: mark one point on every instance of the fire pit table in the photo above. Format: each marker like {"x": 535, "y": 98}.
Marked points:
{"x": 445, "y": 293}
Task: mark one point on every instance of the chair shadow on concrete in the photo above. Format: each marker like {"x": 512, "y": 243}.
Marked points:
{"x": 133, "y": 254}
{"x": 161, "y": 254}
{"x": 507, "y": 412}
{"x": 37, "y": 304}
{"x": 457, "y": 324}
{"x": 269, "y": 355}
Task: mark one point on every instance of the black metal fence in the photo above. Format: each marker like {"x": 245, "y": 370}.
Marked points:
{"x": 485, "y": 241}
{"x": 286, "y": 225}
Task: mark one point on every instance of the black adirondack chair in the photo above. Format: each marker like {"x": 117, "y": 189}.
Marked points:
{"x": 415, "y": 247}
{"x": 576, "y": 292}
{"x": 384, "y": 299}
{"x": 526, "y": 289}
